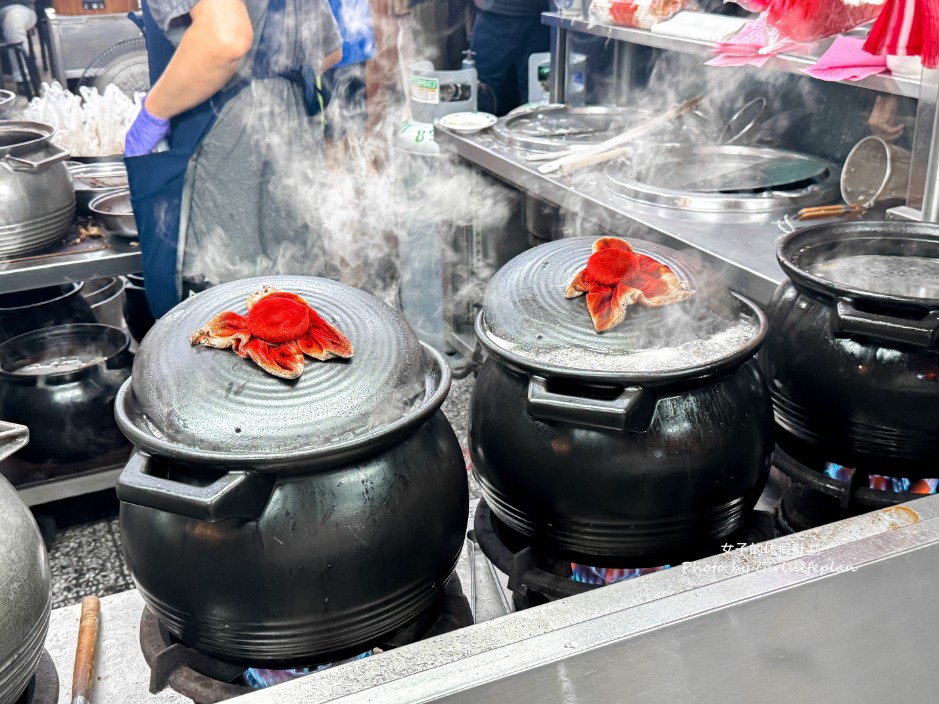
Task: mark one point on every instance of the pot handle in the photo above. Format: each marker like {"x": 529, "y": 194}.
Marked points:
{"x": 234, "y": 495}
{"x": 632, "y": 410}
{"x": 13, "y": 437}
{"x": 21, "y": 163}
{"x": 846, "y": 319}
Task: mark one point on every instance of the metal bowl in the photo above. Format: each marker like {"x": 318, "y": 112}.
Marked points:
{"x": 93, "y": 180}
{"x": 7, "y": 101}
{"x": 115, "y": 213}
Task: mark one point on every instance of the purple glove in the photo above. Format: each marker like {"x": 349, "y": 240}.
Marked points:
{"x": 145, "y": 134}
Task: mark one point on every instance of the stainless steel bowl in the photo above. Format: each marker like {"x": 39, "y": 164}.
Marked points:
{"x": 93, "y": 180}
{"x": 115, "y": 213}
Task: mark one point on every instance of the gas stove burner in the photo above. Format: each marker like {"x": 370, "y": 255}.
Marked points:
{"x": 535, "y": 578}
{"x": 43, "y": 687}
{"x": 207, "y": 680}
{"x": 812, "y": 496}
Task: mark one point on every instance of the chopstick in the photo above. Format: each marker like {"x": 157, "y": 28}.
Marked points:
{"x": 580, "y": 158}
{"x": 83, "y": 676}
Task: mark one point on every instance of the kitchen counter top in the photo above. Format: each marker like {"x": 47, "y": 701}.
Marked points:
{"x": 741, "y": 248}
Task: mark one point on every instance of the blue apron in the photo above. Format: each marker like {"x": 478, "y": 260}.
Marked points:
{"x": 157, "y": 180}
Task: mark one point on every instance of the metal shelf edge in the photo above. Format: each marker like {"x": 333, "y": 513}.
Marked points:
{"x": 783, "y": 62}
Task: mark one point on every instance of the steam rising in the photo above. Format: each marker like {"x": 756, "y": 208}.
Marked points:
{"x": 351, "y": 209}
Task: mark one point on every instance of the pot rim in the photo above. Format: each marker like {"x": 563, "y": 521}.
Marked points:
{"x": 44, "y": 134}
{"x": 77, "y": 286}
{"x": 70, "y": 374}
{"x": 344, "y": 451}
{"x": 792, "y": 244}
{"x": 735, "y": 358}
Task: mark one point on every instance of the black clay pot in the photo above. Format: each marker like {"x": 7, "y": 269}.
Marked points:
{"x": 137, "y": 313}
{"x": 23, "y": 311}
{"x": 307, "y": 520}
{"x": 647, "y": 441}
{"x": 853, "y": 351}
{"x": 61, "y": 382}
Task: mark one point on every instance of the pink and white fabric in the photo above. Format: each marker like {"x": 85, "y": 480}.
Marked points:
{"x": 907, "y": 28}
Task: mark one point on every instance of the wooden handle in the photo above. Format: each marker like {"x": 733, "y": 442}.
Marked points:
{"x": 827, "y": 211}
{"x": 83, "y": 676}
{"x": 594, "y": 159}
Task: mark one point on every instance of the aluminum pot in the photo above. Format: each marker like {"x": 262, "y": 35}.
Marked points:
{"x": 853, "y": 351}
{"x": 106, "y": 299}
{"x": 25, "y": 594}
{"x": 61, "y": 382}
{"x": 37, "y": 199}
{"x": 307, "y": 520}
{"x": 646, "y": 441}
{"x": 23, "y": 311}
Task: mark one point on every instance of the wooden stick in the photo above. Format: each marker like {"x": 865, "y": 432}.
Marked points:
{"x": 651, "y": 125}
{"x": 828, "y": 211}
{"x": 594, "y": 159}
{"x": 83, "y": 676}
{"x": 551, "y": 156}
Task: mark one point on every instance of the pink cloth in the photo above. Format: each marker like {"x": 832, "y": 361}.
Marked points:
{"x": 747, "y": 47}
{"x": 846, "y": 60}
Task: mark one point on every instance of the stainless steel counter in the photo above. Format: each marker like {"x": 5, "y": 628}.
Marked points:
{"x": 832, "y": 614}
{"x": 741, "y": 248}
{"x": 836, "y": 613}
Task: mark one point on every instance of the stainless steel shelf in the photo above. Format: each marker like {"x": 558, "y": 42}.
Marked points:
{"x": 65, "y": 266}
{"x": 740, "y": 249}
{"x": 784, "y": 62}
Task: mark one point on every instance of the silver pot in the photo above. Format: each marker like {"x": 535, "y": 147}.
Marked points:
{"x": 37, "y": 200}
{"x": 106, "y": 298}
{"x": 25, "y": 595}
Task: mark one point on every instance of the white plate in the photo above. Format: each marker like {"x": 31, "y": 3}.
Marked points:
{"x": 467, "y": 121}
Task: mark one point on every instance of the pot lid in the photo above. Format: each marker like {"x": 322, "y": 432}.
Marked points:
{"x": 17, "y": 137}
{"x": 890, "y": 262}
{"x": 527, "y": 322}
{"x": 557, "y": 127}
{"x": 723, "y": 177}
{"x": 211, "y": 404}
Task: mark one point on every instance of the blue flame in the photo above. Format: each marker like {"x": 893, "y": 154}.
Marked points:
{"x": 882, "y": 482}
{"x": 259, "y": 678}
{"x": 602, "y": 576}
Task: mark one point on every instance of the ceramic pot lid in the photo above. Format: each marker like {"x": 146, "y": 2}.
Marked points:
{"x": 527, "y": 322}
{"x": 214, "y": 402}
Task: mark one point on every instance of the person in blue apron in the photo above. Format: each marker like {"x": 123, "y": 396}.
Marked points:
{"x": 225, "y": 155}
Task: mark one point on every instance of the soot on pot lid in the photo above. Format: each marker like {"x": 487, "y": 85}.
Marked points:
{"x": 527, "y": 321}
{"x": 213, "y": 400}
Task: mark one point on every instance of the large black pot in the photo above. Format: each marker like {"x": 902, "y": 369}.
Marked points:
{"x": 646, "y": 441}
{"x": 37, "y": 308}
{"x": 61, "y": 382}
{"x": 853, "y": 359}
{"x": 137, "y": 312}
{"x": 306, "y": 520}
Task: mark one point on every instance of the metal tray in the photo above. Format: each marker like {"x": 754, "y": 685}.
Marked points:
{"x": 721, "y": 178}
{"x": 554, "y": 128}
